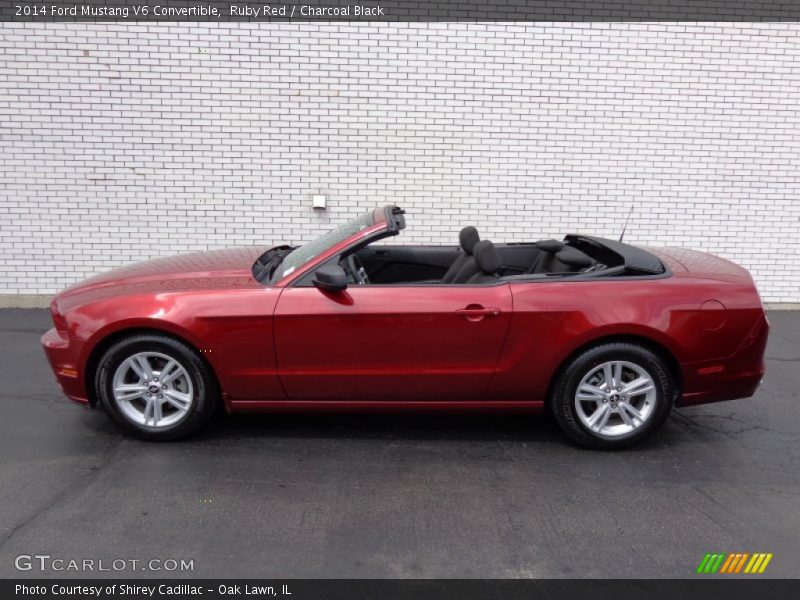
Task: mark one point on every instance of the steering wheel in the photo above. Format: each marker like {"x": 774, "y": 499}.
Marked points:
{"x": 357, "y": 270}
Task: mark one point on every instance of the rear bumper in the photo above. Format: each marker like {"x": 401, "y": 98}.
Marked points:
{"x": 737, "y": 376}
{"x": 742, "y": 385}
{"x": 63, "y": 358}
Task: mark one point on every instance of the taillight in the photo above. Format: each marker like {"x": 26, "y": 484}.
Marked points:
{"x": 58, "y": 319}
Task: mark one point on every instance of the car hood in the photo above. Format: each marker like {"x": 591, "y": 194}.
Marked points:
{"x": 214, "y": 269}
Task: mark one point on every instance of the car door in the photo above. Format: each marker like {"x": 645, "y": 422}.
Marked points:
{"x": 390, "y": 342}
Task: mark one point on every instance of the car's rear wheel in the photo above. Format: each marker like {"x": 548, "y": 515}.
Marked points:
{"x": 613, "y": 395}
{"x": 156, "y": 387}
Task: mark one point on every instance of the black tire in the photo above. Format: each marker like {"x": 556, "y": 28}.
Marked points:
{"x": 562, "y": 401}
{"x": 205, "y": 397}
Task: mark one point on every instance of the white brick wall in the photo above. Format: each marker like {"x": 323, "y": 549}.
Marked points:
{"x": 120, "y": 142}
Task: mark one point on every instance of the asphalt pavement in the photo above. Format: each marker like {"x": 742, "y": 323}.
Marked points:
{"x": 395, "y": 496}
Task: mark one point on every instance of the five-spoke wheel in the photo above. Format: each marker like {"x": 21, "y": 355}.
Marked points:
{"x": 613, "y": 394}
{"x": 153, "y": 389}
{"x": 615, "y": 398}
{"x": 155, "y": 386}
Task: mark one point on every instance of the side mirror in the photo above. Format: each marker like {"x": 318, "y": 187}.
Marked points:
{"x": 331, "y": 278}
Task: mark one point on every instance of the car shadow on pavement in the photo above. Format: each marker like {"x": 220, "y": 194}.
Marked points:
{"x": 385, "y": 426}
{"x": 513, "y": 428}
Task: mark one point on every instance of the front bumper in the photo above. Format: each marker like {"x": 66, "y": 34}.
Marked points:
{"x": 63, "y": 358}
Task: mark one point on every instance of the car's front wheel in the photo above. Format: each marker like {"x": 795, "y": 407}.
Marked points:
{"x": 613, "y": 395}
{"x": 155, "y": 387}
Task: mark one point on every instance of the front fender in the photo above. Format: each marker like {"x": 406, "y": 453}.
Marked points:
{"x": 232, "y": 329}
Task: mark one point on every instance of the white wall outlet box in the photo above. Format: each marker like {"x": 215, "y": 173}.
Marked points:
{"x": 318, "y": 201}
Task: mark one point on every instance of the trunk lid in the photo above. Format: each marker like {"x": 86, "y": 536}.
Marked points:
{"x": 692, "y": 262}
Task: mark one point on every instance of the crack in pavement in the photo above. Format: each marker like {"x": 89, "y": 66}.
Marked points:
{"x": 65, "y": 493}
{"x": 748, "y": 426}
{"x": 774, "y": 333}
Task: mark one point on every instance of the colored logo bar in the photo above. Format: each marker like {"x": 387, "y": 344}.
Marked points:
{"x": 737, "y": 562}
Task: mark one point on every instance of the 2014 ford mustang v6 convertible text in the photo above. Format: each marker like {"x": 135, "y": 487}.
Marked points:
{"x": 607, "y": 336}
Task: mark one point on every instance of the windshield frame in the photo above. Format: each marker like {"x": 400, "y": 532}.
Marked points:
{"x": 382, "y": 224}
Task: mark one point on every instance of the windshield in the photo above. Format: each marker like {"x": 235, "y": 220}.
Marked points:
{"x": 303, "y": 254}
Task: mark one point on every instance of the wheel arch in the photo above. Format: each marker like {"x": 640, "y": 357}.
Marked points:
{"x": 104, "y": 342}
{"x": 649, "y": 343}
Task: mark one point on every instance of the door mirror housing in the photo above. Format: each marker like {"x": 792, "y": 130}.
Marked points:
{"x": 330, "y": 278}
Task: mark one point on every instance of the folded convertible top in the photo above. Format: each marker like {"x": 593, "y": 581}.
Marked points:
{"x": 634, "y": 259}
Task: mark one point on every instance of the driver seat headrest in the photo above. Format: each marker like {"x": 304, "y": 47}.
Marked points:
{"x": 468, "y": 237}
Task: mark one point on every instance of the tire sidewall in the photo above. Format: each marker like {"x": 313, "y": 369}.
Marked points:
{"x": 202, "y": 401}
{"x": 563, "y": 401}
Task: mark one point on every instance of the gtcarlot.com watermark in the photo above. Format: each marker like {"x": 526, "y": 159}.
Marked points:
{"x": 48, "y": 563}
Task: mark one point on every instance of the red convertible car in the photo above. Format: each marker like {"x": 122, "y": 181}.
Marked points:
{"x": 607, "y": 336}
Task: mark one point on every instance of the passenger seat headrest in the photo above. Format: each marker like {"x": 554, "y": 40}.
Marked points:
{"x": 551, "y": 246}
{"x": 486, "y": 257}
{"x": 574, "y": 258}
{"x": 468, "y": 238}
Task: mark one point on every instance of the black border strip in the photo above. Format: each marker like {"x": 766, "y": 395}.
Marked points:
{"x": 731, "y": 588}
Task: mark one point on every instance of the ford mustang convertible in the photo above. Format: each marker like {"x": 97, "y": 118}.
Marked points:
{"x": 606, "y": 336}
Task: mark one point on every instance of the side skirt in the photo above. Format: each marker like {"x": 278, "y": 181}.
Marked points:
{"x": 377, "y": 406}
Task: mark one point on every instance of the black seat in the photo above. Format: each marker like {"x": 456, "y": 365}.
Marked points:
{"x": 557, "y": 257}
{"x": 544, "y": 260}
{"x": 572, "y": 260}
{"x": 488, "y": 262}
{"x": 464, "y": 265}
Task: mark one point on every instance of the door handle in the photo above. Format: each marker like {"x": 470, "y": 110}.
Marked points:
{"x": 476, "y": 312}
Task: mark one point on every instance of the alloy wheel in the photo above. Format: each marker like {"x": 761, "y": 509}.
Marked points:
{"x": 153, "y": 389}
{"x": 615, "y": 398}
